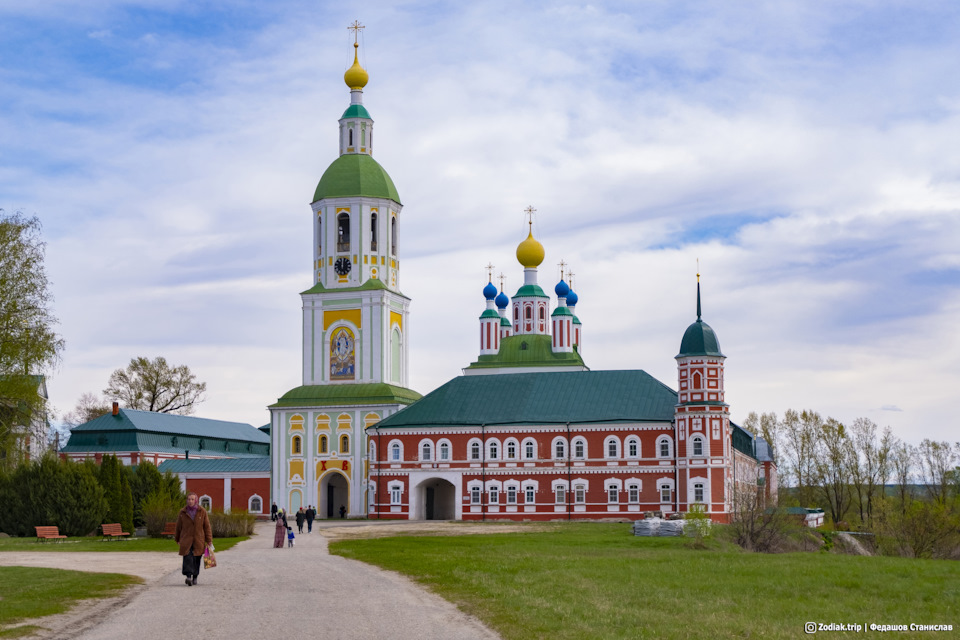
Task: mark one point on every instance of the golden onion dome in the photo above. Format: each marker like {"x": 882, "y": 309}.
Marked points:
{"x": 530, "y": 252}
{"x": 356, "y": 77}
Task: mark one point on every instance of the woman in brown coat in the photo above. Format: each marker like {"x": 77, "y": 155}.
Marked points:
{"x": 193, "y": 534}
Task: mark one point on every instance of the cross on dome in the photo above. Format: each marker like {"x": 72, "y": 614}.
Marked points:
{"x": 355, "y": 27}
{"x": 562, "y": 264}
{"x": 489, "y": 269}
{"x": 502, "y": 278}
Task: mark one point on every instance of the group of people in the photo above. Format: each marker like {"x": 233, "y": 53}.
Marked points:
{"x": 284, "y": 530}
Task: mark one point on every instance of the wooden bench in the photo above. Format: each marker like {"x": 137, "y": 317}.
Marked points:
{"x": 113, "y": 531}
{"x": 48, "y": 533}
{"x": 170, "y": 529}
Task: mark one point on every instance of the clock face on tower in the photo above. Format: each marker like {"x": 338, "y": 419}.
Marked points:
{"x": 342, "y": 266}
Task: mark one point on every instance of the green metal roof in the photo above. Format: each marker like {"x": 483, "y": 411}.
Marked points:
{"x": 356, "y": 111}
{"x": 260, "y": 464}
{"x": 527, "y": 351}
{"x": 530, "y": 291}
{"x": 131, "y": 420}
{"x": 561, "y": 311}
{"x": 489, "y": 313}
{"x": 355, "y": 174}
{"x": 541, "y": 398}
{"x": 504, "y": 322}
{"x": 372, "y": 284}
{"x": 346, "y": 394}
{"x": 699, "y": 340}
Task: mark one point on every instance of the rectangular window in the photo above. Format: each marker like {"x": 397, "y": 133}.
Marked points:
{"x": 581, "y": 494}
{"x": 511, "y": 450}
{"x": 698, "y": 493}
{"x": 613, "y": 495}
{"x": 634, "y": 494}
{"x": 578, "y": 449}
{"x": 511, "y": 495}
{"x": 494, "y": 495}
{"x": 633, "y": 448}
{"x": 561, "y": 495}
{"x": 664, "y": 494}
{"x": 529, "y": 451}
{"x": 529, "y": 497}
{"x": 475, "y": 495}
{"x": 611, "y": 449}
{"x": 394, "y": 452}
{"x": 395, "y": 493}
{"x": 475, "y": 451}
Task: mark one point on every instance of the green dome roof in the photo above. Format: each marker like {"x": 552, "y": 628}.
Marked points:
{"x": 699, "y": 340}
{"x": 356, "y": 111}
{"x": 355, "y": 174}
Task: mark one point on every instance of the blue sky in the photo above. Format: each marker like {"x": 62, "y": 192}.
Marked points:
{"x": 805, "y": 153}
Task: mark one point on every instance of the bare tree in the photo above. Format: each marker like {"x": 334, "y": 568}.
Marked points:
{"x": 936, "y": 461}
{"x": 833, "y": 461}
{"x": 767, "y": 427}
{"x": 870, "y": 467}
{"x": 88, "y": 407}
{"x": 153, "y": 385}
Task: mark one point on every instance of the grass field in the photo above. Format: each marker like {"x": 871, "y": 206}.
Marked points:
{"x": 29, "y": 592}
{"x": 590, "y": 580}
{"x": 97, "y": 544}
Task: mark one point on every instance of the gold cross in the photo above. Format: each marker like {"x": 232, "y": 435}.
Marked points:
{"x": 570, "y": 277}
{"x": 502, "y": 277}
{"x": 355, "y": 27}
{"x": 530, "y": 211}
{"x": 489, "y": 269}
{"x": 562, "y": 265}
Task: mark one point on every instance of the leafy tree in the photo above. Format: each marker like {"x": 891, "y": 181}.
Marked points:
{"x": 902, "y": 457}
{"x": 871, "y": 466}
{"x": 116, "y": 487}
{"x": 28, "y": 344}
{"x": 800, "y": 433}
{"x": 833, "y": 462}
{"x": 936, "y": 461}
{"x": 147, "y": 480}
{"x": 767, "y": 427}
{"x": 154, "y": 385}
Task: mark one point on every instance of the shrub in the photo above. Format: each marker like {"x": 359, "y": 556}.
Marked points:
{"x": 231, "y": 525}
{"x": 158, "y": 509}
{"x": 698, "y": 525}
{"x": 52, "y": 492}
{"x": 146, "y": 479}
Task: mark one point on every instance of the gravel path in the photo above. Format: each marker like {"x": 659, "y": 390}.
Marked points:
{"x": 256, "y": 592}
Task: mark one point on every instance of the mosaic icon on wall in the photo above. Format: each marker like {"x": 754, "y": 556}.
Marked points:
{"x": 342, "y": 355}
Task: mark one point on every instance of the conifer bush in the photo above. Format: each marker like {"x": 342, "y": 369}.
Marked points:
{"x": 158, "y": 509}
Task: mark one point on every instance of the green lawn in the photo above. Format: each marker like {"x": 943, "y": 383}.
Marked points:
{"x": 30, "y": 592}
{"x": 97, "y": 544}
{"x": 590, "y": 580}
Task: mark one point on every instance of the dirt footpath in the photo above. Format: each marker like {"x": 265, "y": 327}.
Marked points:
{"x": 255, "y": 588}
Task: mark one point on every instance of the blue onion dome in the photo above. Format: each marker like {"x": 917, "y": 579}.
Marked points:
{"x": 562, "y": 289}
{"x": 502, "y": 301}
{"x": 489, "y": 291}
{"x": 572, "y": 298}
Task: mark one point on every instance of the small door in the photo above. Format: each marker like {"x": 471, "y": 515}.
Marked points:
{"x": 429, "y": 503}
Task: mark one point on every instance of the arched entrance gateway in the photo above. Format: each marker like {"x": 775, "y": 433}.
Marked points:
{"x": 333, "y": 492}
{"x": 437, "y": 499}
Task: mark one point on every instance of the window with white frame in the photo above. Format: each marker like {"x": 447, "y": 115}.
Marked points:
{"x": 255, "y": 505}
{"x": 426, "y": 452}
{"x": 373, "y": 450}
{"x": 396, "y": 493}
{"x": 580, "y": 493}
{"x": 511, "y": 495}
{"x": 529, "y": 495}
{"x": 475, "y": 451}
{"x": 559, "y": 449}
{"x": 474, "y": 495}
{"x": 579, "y": 448}
{"x": 665, "y": 494}
{"x": 613, "y": 495}
{"x": 444, "y": 451}
{"x": 494, "y": 495}
{"x": 561, "y": 493}
{"x": 529, "y": 450}
{"x": 697, "y": 446}
{"x": 698, "y": 492}
{"x": 205, "y": 502}
{"x": 511, "y": 450}
{"x": 395, "y": 452}
{"x": 633, "y": 448}
{"x": 633, "y": 493}
{"x": 344, "y": 444}
{"x": 663, "y": 447}
{"x": 613, "y": 448}
{"x": 371, "y": 496}
{"x": 493, "y": 450}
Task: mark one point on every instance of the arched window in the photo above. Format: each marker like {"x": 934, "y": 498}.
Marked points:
{"x": 319, "y": 232}
{"x": 698, "y": 492}
{"x": 393, "y": 236}
{"x": 494, "y": 450}
{"x": 578, "y": 448}
{"x": 344, "y": 444}
{"x": 323, "y": 444}
{"x": 373, "y": 232}
{"x": 297, "y": 445}
{"x": 663, "y": 446}
{"x": 426, "y": 451}
{"x": 350, "y": 137}
{"x": 697, "y": 382}
{"x": 206, "y": 503}
{"x": 395, "y": 451}
{"x": 560, "y": 450}
{"x": 511, "y": 450}
{"x": 633, "y": 448}
{"x": 613, "y": 448}
{"x": 516, "y": 314}
{"x": 528, "y": 312}
{"x": 256, "y": 505}
{"x": 475, "y": 451}
{"x": 444, "y": 451}
{"x": 528, "y": 450}
{"x": 543, "y": 314}
{"x": 697, "y": 446}
{"x": 343, "y": 232}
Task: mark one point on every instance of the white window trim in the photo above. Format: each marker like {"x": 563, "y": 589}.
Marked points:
{"x": 470, "y": 443}
{"x": 491, "y": 443}
{"x": 626, "y": 448}
{"x": 523, "y": 452}
{"x": 390, "y": 449}
{"x": 606, "y": 447}
{"x": 516, "y": 444}
{"x": 553, "y": 448}
{"x": 392, "y": 487}
{"x": 250, "y": 500}
{"x": 693, "y": 443}
{"x": 433, "y": 451}
{"x": 209, "y": 505}
{"x": 669, "y": 442}
{"x": 440, "y": 443}
{"x": 573, "y": 448}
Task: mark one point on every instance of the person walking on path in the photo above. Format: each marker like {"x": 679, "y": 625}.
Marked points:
{"x": 193, "y": 534}
{"x": 311, "y": 514}
{"x": 273, "y": 511}
{"x": 281, "y": 530}
{"x": 301, "y": 516}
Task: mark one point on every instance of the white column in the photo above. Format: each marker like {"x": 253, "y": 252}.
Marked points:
{"x": 227, "y": 490}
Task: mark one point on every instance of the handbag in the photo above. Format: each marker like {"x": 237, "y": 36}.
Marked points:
{"x": 209, "y": 558}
